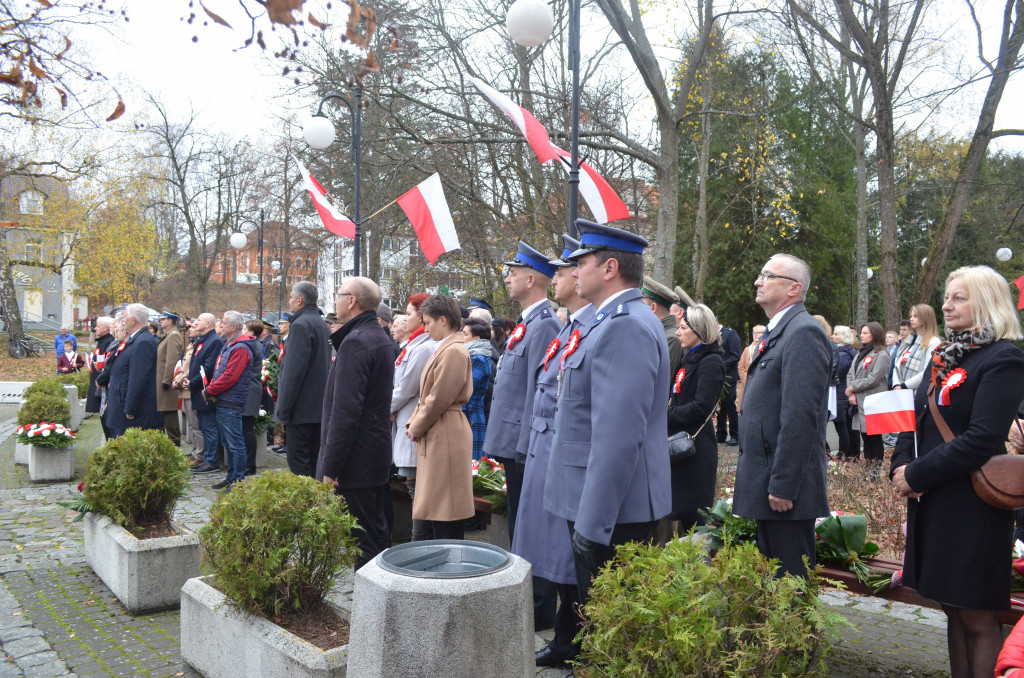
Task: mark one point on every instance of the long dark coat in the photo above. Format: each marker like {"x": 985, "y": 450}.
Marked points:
{"x": 92, "y": 399}
{"x": 355, "y": 438}
{"x": 305, "y": 362}
{"x": 958, "y": 547}
{"x": 693, "y": 480}
{"x": 132, "y": 390}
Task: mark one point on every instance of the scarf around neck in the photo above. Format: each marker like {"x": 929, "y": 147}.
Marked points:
{"x": 479, "y": 347}
{"x": 949, "y": 354}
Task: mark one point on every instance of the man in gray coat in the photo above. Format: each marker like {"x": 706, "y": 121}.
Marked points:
{"x": 508, "y": 437}
{"x": 609, "y": 473}
{"x": 780, "y": 476}
{"x": 305, "y": 361}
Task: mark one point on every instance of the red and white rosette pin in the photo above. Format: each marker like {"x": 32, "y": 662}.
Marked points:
{"x": 680, "y": 375}
{"x": 952, "y": 380}
{"x": 552, "y": 350}
{"x": 867, "y": 361}
{"x": 570, "y": 347}
{"x": 517, "y": 334}
{"x": 905, "y": 358}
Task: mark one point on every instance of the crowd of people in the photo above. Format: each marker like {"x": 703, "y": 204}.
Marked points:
{"x": 577, "y": 399}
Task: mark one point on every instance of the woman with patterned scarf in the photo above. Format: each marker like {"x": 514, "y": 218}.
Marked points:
{"x": 915, "y": 354}
{"x": 478, "y": 342}
{"x": 958, "y": 547}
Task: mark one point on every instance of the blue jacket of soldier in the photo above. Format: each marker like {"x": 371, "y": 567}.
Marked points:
{"x": 609, "y": 458}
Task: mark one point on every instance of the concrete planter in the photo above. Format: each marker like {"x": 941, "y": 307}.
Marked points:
{"x": 21, "y": 453}
{"x": 77, "y": 408}
{"x": 144, "y": 574}
{"x": 221, "y": 641}
{"x": 261, "y": 450}
{"x": 51, "y": 463}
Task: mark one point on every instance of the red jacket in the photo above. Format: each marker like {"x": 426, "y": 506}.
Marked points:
{"x": 1012, "y": 654}
{"x": 64, "y": 365}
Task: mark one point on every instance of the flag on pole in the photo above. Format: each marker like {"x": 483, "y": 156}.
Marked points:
{"x": 428, "y": 211}
{"x": 890, "y": 412}
{"x": 604, "y": 204}
{"x": 334, "y": 221}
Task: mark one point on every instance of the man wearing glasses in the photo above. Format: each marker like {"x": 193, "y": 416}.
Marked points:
{"x": 780, "y": 476}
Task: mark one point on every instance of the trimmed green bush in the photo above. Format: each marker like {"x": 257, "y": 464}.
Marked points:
{"x": 276, "y": 542}
{"x": 670, "y": 612}
{"x": 136, "y": 478}
{"x": 78, "y": 379}
{"x": 52, "y": 409}
{"x": 45, "y": 386}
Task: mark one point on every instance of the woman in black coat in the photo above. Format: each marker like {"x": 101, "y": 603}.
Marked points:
{"x": 695, "y": 391}
{"x": 958, "y": 547}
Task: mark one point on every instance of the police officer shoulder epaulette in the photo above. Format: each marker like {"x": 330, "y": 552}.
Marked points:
{"x": 620, "y": 309}
{"x": 545, "y": 312}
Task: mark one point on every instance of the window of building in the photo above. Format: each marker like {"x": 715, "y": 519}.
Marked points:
{"x": 31, "y": 202}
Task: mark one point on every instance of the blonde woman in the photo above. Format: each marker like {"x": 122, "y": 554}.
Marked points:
{"x": 957, "y": 545}
{"x": 915, "y": 354}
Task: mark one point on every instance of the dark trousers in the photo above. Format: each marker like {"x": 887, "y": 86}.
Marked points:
{"x": 558, "y": 606}
{"x": 842, "y": 432}
{"x": 514, "y": 484}
{"x": 367, "y": 506}
{"x": 302, "y": 445}
{"x": 874, "y": 447}
{"x": 249, "y": 435}
{"x": 728, "y": 419}
{"x": 852, "y": 436}
{"x": 172, "y": 426}
{"x": 588, "y": 564}
{"x": 448, "y": 529}
{"x": 788, "y": 541}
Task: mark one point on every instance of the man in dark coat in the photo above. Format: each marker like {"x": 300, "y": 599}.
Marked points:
{"x": 200, "y": 371}
{"x": 355, "y": 440}
{"x": 508, "y": 432}
{"x": 98, "y": 360}
{"x": 132, "y": 392}
{"x": 728, "y": 425}
{"x": 780, "y": 476}
{"x": 305, "y": 360}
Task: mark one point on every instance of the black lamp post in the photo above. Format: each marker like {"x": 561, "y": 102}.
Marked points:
{"x": 238, "y": 241}
{"x": 319, "y": 133}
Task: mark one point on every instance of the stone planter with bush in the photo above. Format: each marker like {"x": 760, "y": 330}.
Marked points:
{"x": 130, "y": 489}
{"x": 51, "y": 451}
{"x": 272, "y": 548}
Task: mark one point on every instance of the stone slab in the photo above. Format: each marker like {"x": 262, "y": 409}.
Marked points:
{"x": 77, "y": 408}
{"x": 221, "y": 641}
{"x": 144, "y": 574}
{"x": 21, "y": 453}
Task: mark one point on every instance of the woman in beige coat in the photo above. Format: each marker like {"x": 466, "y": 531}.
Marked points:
{"x": 444, "y": 440}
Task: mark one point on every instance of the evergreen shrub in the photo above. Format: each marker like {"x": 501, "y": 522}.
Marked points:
{"x": 52, "y": 409}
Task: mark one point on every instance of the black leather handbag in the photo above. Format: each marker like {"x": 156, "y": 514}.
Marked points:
{"x": 681, "y": 446}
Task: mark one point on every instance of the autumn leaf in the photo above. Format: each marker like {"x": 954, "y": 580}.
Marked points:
{"x": 45, "y": 3}
{"x": 215, "y": 17}
{"x": 316, "y": 22}
{"x": 36, "y": 70}
{"x": 280, "y": 11}
{"x": 369, "y": 66}
{"x": 118, "y": 111}
{"x": 67, "y": 46}
{"x": 63, "y": 97}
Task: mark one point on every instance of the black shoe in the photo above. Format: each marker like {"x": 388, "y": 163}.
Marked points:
{"x": 250, "y": 473}
{"x": 222, "y": 484}
{"x": 732, "y": 442}
{"x": 549, "y": 656}
{"x": 205, "y": 468}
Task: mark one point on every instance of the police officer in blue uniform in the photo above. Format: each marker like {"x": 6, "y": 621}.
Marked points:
{"x": 609, "y": 473}
{"x": 508, "y": 432}
{"x": 541, "y": 537}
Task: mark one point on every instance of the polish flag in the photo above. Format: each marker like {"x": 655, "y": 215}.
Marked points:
{"x": 604, "y": 204}
{"x": 334, "y": 221}
{"x": 890, "y": 412}
{"x": 428, "y": 211}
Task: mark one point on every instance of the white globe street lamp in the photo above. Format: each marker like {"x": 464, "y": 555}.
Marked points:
{"x": 924, "y": 261}
{"x": 870, "y": 274}
{"x": 275, "y": 265}
{"x": 238, "y": 241}
{"x": 1004, "y": 254}
{"x": 318, "y": 132}
{"x": 529, "y": 22}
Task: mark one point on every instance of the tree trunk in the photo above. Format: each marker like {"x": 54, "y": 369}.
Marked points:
{"x": 701, "y": 238}
{"x": 886, "y": 199}
{"x": 9, "y": 303}
{"x": 861, "y": 258}
{"x": 1009, "y": 51}
{"x": 668, "y": 199}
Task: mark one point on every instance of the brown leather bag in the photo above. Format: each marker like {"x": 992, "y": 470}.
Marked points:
{"x": 1000, "y": 481}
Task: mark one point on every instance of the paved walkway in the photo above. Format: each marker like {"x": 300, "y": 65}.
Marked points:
{"x": 58, "y": 619}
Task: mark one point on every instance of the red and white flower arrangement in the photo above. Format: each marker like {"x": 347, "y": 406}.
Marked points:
{"x": 45, "y": 434}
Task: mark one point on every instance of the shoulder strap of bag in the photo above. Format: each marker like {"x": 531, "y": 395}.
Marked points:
{"x": 943, "y": 427}
{"x": 704, "y": 424}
